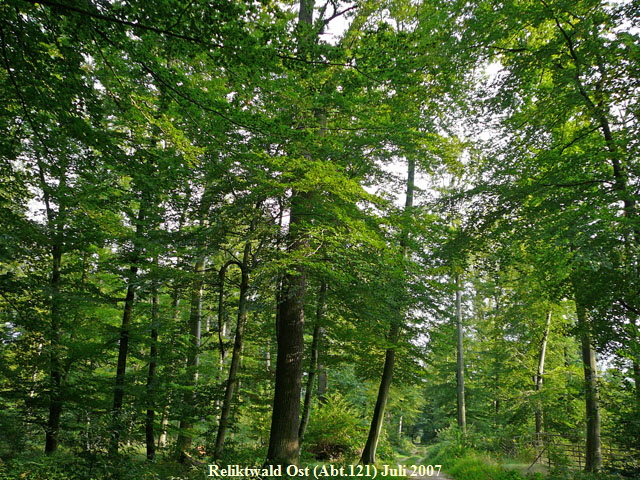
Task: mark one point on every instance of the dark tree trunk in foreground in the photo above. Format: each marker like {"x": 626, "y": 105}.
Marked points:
{"x": 313, "y": 367}
{"x": 232, "y": 381}
{"x": 56, "y": 375}
{"x": 369, "y": 452}
{"x": 193, "y": 359}
{"x": 593, "y": 458}
{"x": 123, "y": 346}
{"x": 123, "y": 351}
{"x": 55, "y": 222}
{"x": 285, "y": 420}
{"x": 283, "y": 441}
{"x": 540, "y": 375}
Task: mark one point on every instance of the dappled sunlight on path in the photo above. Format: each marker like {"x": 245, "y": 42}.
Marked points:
{"x": 419, "y": 468}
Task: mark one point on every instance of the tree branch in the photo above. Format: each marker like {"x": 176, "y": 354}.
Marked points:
{"x": 120, "y": 21}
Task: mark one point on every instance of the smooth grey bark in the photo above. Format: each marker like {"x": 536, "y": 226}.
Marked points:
{"x": 222, "y": 320}
{"x": 232, "y": 381}
{"x": 164, "y": 421}
{"x": 636, "y": 379}
{"x": 540, "y": 375}
{"x": 461, "y": 407}
{"x": 151, "y": 376}
{"x": 193, "y": 359}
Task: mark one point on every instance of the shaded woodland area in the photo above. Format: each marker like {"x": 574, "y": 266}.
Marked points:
{"x": 279, "y": 233}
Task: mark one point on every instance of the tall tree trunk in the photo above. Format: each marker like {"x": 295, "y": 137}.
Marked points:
{"x": 164, "y": 421}
{"x": 232, "y": 381}
{"x": 285, "y": 420}
{"x": 635, "y": 354}
{"x": 283, "y": 439}
{"x": 593, "y": 459}
{"x": 369, "y": 452}
{"x": 322, "y": 372}
{"x": 151, "y": 376}
{"x": 56, "y": 375}
{"x": 123, "y": 350}
{"x": 636, "y": 379}
{"x": 462, "y": 412}
{"x": 123, "y": 346}
{"x": 222, "y": 320}
{"x": 313, "y": 367}
{"x": 193, "y": 360}
{"x": 540, "y": 375}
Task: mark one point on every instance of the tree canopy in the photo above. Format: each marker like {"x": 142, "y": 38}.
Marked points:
{"x": 252, "y": 232}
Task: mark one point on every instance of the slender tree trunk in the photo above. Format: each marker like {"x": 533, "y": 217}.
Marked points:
{"x": 636, "y": 379}
{"x": 313, "y": 367}
{"x": 123, "y": 350}
{"x": 123, "y": 346}
{"x": 369, "y": 452}
{"x": 56, "y": 375}
{"x": 322, "y": 372}
{"x": 462, "y": 412}
{"x": 540, "y": 375}
{"x": 222, "y": 320}
{"x": 267, "y": 357}
{"x": 164, "y": 421}
{"x": 635, "y": 353}
{"x": 193, "y": 360}
{"x": 232, "y": 381}
{"x": 593, "y": 459}
{"x": 151, "y": 376}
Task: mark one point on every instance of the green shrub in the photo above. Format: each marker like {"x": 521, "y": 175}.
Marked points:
{"x": 474, "y": 468}
{"x": 335, "y": 430}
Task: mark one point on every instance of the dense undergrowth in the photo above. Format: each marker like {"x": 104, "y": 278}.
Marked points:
{"x": 464, "y": 459}
{"x": 467, "y": 457}
{"x": 64, "y": 466}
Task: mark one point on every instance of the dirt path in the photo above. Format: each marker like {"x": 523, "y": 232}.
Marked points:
{"x": 435, "y": 476}
{"x": 414, "y": 459}
{"x": 442, "y": 476}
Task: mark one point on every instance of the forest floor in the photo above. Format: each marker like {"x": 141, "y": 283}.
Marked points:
{"x": 441, "y": 476}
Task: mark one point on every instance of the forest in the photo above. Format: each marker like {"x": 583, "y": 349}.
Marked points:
{"x": 311, "y": 235}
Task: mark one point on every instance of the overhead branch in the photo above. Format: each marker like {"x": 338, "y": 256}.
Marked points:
{"x": 134, "y": 24}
